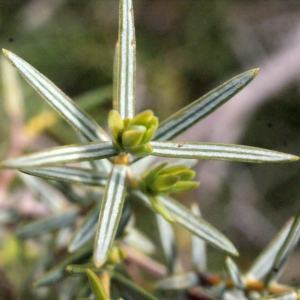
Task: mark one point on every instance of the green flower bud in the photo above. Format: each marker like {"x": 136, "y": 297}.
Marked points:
{"x": 116, "y": 255}
{"x": 149, "y": 134}
{"x": 141, "y": 150}
{"x": 165, "y": 180}
{"x": 133, "y": 136}
{"x": 176, "y": 169}
{"x": 150, "y": 174}
{"x": 180, "y": 170}
{"x": 144, "y": 118}
{"x": 182, "y": 186}
{"x": 115, "y": 124}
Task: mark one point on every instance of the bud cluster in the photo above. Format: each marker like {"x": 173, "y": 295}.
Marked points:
{"x": 133, "y": 135}
{"x": 163, "y": 180}
{"x": 166, "y": 180}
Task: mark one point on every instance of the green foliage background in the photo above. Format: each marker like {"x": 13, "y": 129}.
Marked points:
{"x": 184, "y": 49}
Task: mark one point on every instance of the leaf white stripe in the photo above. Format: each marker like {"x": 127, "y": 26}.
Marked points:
{"x": 69, "y": 174}
{"x": 218, "y": 152}
{"x": 126, "y": 61}
{"x": 196, "y": 225}
{"x": 110, "y": 213}
{"x": 58, "y": 100}
{"x": 191, "y": 114}
{"x": 86, "y": 232}
{"x": 63, "y": 155}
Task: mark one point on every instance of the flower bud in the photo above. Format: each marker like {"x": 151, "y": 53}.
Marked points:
{"x": 133, "y": 136}
{"x": 144, "y": 118}
{"x": 115, "y": 124}
{"x": 141, "y": 150}
{"x": 116, "y": 255}
{"x": 180, "y": 170}
{"x": 165, "y": 180}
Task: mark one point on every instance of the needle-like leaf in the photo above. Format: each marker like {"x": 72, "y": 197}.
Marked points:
{"x": 285, "y": 251}
{"x": 80, "y": 270}
{"x": 130, "y": 288}
{"x": 219, "y": 152}
{"x": 178, "y": 282}
{"x": 96, "y": 286}
{"x": 74, "y": 115}
{"x": 126, "y": 61}
{"x": 110, "y": 213}
{"x": 45, "y": 225}
{"x": 86, "y": 232}
{"x": 196, "y": 225}
{"x": 62, "y": 155}
{"x": 199, "y": 255}
{"x": 262, "y": 265}
{"x": 69, "y": 174}
{"x": 167, "y": 240}
{"x": 283, "y": 296}
{"x": 234, "y": 273}
{"x": 58, "y": 272}
{"x": 49, "y": 196}
{"x": 191, "y": 114}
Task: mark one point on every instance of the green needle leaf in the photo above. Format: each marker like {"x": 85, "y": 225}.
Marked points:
{"x": 110, "y": 213}
{"x": 219, "y": 152}
{"x": 191, "y": 114}
{"x": 196, "y": 225}
{"x": 69, "y": 174}
{"x": 62, "y": 155}
{"x": 96, "y": 286}
{"x": 74, "y": 115}
{"x": 126, "y": 60}
{"x": 80, "y": 270}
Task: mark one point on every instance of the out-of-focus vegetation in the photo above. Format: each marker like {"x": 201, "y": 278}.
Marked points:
{"x": 185, "y": 48}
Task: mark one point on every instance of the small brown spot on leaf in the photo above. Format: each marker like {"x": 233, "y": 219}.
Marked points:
{"x": 179, "y": 145}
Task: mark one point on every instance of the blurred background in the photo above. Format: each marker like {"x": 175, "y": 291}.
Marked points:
{"x": 184, "y": 49}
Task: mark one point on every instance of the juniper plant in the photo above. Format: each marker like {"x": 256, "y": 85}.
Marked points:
{"x": 120, "y": 162}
